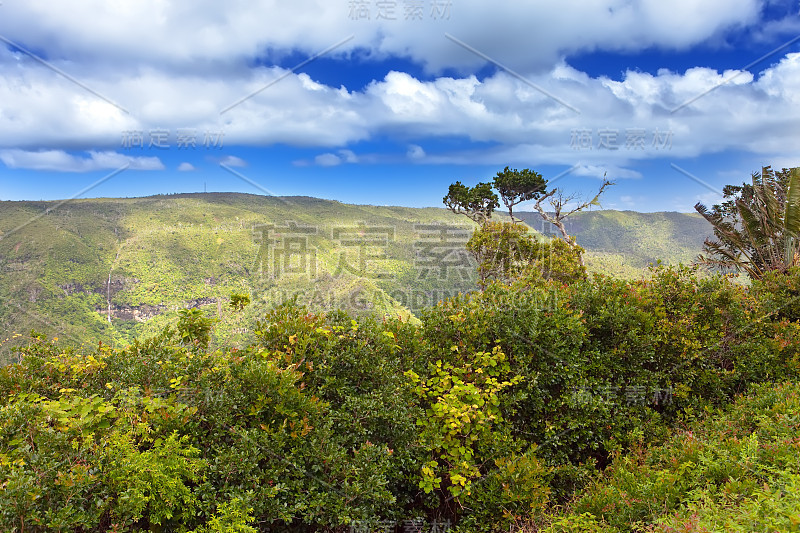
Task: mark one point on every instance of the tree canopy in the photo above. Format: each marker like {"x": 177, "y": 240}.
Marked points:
{"x": 517, "y": 186}
{"x": 478, "y": 202}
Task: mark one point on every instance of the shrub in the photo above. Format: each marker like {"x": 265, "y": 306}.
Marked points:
{"x": 738, "y": 470}
{"x": 506, "y": 251}
{"x": 492, "y": 410}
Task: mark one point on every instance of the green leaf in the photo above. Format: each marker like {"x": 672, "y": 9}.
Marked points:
{"x": 792, "y": 214}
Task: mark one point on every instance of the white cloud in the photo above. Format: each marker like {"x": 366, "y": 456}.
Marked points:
{"x": 61, "y": 161}
{"x": 327, "y": 160}
{"x": 629, "y": 202}
{"x": 206, "y": 35}
{"x": 331, "y": 160}
{"x": 154, "y": 69}
{"x": 348, "y": 156}
{"x": 609, "y": 172}
{"x": 233, "y": 161}
{"x": 186, "y": 167}
{"x": 708, "y": 199}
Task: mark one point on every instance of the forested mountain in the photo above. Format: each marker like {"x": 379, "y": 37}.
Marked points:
{"x": 67, "y": 266}
{"x": 623, "y": 243}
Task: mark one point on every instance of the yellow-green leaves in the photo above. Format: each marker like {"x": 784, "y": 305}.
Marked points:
{"x": 462, "y": 408}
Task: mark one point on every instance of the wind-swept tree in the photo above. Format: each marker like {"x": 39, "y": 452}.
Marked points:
{"x": 478, "y": 202}
{"x": 517, "y": 186}
{"x": 757, "y": 228}
{"x": 559, "y": 201}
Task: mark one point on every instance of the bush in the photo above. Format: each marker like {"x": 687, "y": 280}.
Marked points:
{"x": 492, "y": 410}
{"x": 608, "y": 363}
{"x": 738, "y": 470}
{"x": 506, "y": 251}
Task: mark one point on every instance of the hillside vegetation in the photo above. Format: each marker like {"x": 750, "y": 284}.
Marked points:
{"x": 145, "y": 258}
{"x": 586, "y": 406}
{"x": 293, "y": 386}
{"x": 624, "y": 243}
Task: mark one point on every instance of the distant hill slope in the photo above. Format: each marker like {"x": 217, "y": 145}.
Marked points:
{"x": 623, "y": 243}
{"x": 145, "y": 258}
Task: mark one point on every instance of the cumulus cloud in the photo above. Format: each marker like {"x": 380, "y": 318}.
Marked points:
{"x": 629, "y": 202}
{"x": 154, "y": 70}
{"x": 61, "y": 161}
{"x": 753, "y": 113}
{"x": 186, "y": 167}
{"x": 610, "y": 172}
{"x": 331, "y": 160}
{"x": 206, "y": 34}
{"x": 327, "y": 160}
{"x": 348, "y": 156}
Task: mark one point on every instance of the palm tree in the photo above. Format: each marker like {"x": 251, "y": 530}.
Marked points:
{"x": 758, "y": 228}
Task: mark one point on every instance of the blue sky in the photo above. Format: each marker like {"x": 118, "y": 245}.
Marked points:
{"x": 388, "y": 102}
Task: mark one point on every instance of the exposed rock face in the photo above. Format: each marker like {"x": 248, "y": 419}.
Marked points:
{"x": 141, "y": 313}
{"x": 199, "y": 302}
{"x": 71, "y": 288}
{"x": 118, "y": 285}
{"x": 33, "y": 293}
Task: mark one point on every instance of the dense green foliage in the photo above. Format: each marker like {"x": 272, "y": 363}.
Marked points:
{"x": 737, "y": 470}
{"x": 239, "y": 301}
{"x": 149, "y": 257}
{"x": 145, "y": 258}
{"x": 517, "y": 186}
{"x": 506, "y": 251}
{"x": 477, "y": 203}
{"x": 494, "y": 408}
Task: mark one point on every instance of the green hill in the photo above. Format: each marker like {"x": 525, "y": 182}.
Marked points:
{"x": 65, "y": 265}
{"x": 624, "y": 243}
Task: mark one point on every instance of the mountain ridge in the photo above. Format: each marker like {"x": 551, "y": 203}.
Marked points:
{"x": 66, "y": 263}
